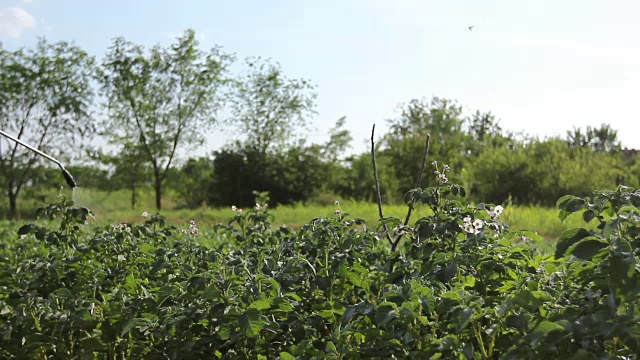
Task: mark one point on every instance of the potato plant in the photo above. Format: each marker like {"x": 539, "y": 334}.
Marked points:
{"x": 456, "y": 285}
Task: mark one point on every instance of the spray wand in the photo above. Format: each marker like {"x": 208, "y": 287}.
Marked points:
{"x": 65, "y": 172}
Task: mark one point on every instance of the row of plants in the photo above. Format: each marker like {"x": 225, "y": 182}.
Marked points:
{"x": 456, "y": 285}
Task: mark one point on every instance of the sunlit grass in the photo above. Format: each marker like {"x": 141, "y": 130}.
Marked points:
{"x": 115, "y": 207}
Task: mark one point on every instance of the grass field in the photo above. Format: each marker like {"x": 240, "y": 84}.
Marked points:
{"x": 116, "y": 207}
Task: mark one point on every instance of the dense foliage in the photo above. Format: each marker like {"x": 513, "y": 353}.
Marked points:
{"x": 458, "y": 285}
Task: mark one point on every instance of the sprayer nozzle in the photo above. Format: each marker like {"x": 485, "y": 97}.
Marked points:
{"x": 69, "y": 178}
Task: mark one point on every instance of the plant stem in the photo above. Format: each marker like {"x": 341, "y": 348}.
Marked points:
{"x": 375, "y": 176}
{"x": 478, "y": 333}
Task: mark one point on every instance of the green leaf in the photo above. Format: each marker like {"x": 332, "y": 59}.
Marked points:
{"x": 581, "y": 354}
{"x": 621, "y": 268}
{"x": 450, "y": 271}
{"x": 545, "y": 329}
{"x": 611, "y": 227}
{"x": 569, "y": 204}
{"x": 250, "y": 323}
{"x": 586, "y": 248}
{"x": 589, "y": 215}
{"x": 527, "y": 300}
{"x": 461, "y": 317}
{"x": 39, "y": 231}
{"x": 390, "y": 221}
{"x": 412, "y": 197}
{"x": 567, "y": 239}
{"x": 63, "y": 293}
{"x": 261, "y": 304}
{"x": 224, "y": 332}
{"x": 130, "y": 325}
{"x": 92, "y": 344}
{"x": 355, "y": 278}
{"x": 532, "y": 235}
{"x": 449, "y": 342}
{"x": 384, "y": 314}
{"x": 286, "y": 356}
{"x": 293, "y": 296}
{"x": 330, "y": 348}
{"x": 348, "y": 314}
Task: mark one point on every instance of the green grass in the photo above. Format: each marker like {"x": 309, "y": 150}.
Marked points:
{"x": 115, "y": 207}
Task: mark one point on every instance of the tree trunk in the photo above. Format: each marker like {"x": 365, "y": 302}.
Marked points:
{"x": 13, "y": 208}
{"x": 158, "y": 187}
{"x": 134, "y": 195}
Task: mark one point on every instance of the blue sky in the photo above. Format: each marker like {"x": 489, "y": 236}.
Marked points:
{"x": 541, "y": 67}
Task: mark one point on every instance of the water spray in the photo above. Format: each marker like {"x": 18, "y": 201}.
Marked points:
{"x": 65, "y": 172}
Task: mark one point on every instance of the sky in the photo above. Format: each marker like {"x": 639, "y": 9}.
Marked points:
{"x": 541, "y": 67}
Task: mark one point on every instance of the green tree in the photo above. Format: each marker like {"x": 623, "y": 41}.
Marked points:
{"x": 45, "y": 100}
{"x": 163, "y": 101}
{"x": 600, "y": 139}
{"x": 331, "y": 159}
{"x": 193, "y": 182}
{"x": 339, "y": 142}
{"x": 130, "y": 169}
{"x": 539, "y": 172}
{"x": 405, "y": 140}
{"x": 484, "y": 132}
{"x": 268, "y": 108}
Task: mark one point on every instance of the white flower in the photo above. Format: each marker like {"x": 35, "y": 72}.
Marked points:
{"x": 258, "y": 207}
{"x": 446, "y": 167}
{"x": 469, "y": 226}
{"x": 239, "y": 211}
{"x": 477, "y": 224}
{"x": 496, "y": 211}
{"x": 338, "y": 211}
{"x": 234, "y": 208}
{"x": 336, "y": 203}
{"x": 434, "y": 163}
{"x": 144, "y": 214}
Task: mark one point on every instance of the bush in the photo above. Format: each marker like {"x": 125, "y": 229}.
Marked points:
{"x": 458, "y": 284}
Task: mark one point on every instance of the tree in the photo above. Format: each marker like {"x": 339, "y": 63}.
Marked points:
{"x": 602, "y": 139}
{"x": 130, "y": 169}
{"x": 193, "y": 181}
{"x": 163, "y": 101}
{"x": 484, "y": 132}
{"x": 268, "y": 107}
{"x": 338, "y": 143}
{"x": 45, "y": 97}
{"x": 405, "y": 140}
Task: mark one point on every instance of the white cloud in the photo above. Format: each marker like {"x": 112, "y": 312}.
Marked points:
{"x": 26, "y": 2}
{"x": 14, "y": 20}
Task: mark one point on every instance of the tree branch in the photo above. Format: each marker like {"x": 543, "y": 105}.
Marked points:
{"x": 394, "y": 244}
{"x": 181, "y": 123}
{"x": 136, "y": 117}
{"x": 375, "y": 176}
{"x": 425, "y": 156}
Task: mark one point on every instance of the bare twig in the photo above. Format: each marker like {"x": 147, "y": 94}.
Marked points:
{"x": 425, "y": 156}
{"x": 375, "y": 176}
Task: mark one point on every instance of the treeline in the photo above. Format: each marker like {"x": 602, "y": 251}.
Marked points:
{"x": 151, "y": 105}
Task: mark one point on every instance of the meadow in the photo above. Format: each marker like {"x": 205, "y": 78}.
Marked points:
{"x": 114, "y": 207}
